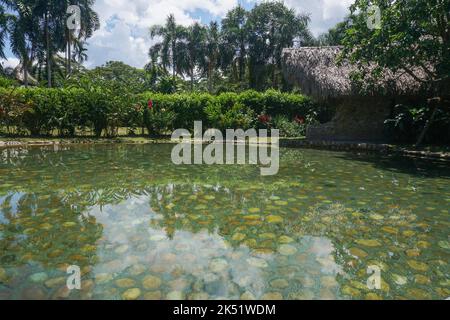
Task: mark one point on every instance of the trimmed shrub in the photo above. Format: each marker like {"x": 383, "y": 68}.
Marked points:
{"x": 41, "y": 111}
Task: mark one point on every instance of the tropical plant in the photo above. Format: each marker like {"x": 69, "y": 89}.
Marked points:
{"x": 414, "y": 38}
{"x": 271, "y": 28}
{"x": 235, "y": 42}
{"x": 166, "y": 52}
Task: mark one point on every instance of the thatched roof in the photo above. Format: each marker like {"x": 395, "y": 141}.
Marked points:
{"x": 317, "y": 73}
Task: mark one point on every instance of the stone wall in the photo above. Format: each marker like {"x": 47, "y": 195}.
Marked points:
{"x": 356, "y": 119}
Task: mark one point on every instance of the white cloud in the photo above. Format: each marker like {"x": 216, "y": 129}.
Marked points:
{"x": 124, "y": 26}
{"x": 324, "y": 13}
{"x": 10, "y": 62}
{"x": 124, "y": 23}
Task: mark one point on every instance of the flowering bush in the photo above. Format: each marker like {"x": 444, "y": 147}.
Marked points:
{"x": 42, "y": 111}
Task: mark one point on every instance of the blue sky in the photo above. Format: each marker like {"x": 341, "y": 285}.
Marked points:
{"x": 124, "y": 23}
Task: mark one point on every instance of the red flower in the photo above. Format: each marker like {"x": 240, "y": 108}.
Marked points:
{"x": 265, "y": 119}
{"x": 299, "y": 119}
{"x": 150, "y": 104}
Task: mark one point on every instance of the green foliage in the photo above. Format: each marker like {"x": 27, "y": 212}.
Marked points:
{"x": 37, "y": 31}
{"x": 39, "y": 111}
{"x": 158, "y": 121}
{"x": 222, "y": 117}
{"x": 7, "y": 82}
{"x": 289, "y": 128}
{"x": 406, "y": 123}
{"x": 414, "y": 38}
{"x": 244, "y": 52}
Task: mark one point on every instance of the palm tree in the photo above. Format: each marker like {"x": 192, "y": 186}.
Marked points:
{"x": 192, "y": 50}
{"x": 212, "y": 51}
{"x": 89, "y": 24}
{"x": 271, "y": 27}
{"x": 235, "y": 40}
{"x": 171, "y": 35}
{"x": 3, "y": 29}
{"x": 22, "y": 27}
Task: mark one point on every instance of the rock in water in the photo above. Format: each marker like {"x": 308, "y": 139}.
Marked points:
{"x": 125, "y": 283}
{"x": 287, "y": 250}
{"x": 131, "y": 294}
{"x": 151, "y": 282}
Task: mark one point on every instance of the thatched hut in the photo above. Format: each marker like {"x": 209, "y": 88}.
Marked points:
{"x": 359, "y": 117}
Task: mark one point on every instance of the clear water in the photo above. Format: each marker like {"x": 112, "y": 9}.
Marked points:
{"x": 142, "y": 228}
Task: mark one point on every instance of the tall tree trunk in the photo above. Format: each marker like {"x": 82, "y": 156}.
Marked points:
{"x": 192, "y": 79}
{"x": 173, "y": 60}
{"x": 241, "y": 63}
{"x": 210, "y": 76}
{"x": 274, "y": 77}
{"x": 69, "y": 49}
{"x": 66, "y": 52}
{"x": 25, "y": 72}
{"x": 47, "y": 40}
{"x": 434, "y": 105}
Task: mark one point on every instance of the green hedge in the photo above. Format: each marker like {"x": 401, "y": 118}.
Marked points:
{"x": 40, "y": 111}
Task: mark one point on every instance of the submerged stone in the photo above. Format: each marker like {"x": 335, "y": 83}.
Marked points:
{"x": 373, "y": 296}
{"x": 390, "y": 230}
{"x": 376, "y": 217}
{"x": 151, "y": 282}
{"x": 400, "y": 280}
{"x": 238, "y": 237}
{"x": 286, "y": 239}
{"x": 33, "y": 293}
{"x": 125, "y": 283}
{"x": 256, "y": 262}
{"x": 421, "y": 279}
{"x": 418, "y": 294}
{"x": 137, "y": 269}
{"x": 417, "y": 265}
{"x": 131, "y": 294}
{"x": 368, "y": 242}
{"x": 267, "y": 236}
{"x": 272, "y": 296}
{"x": 279, "y": 283}
{"x": 274, "y": 219}
{"x": 247, "y": 296}
{"x": 198, "y": 296}
{"x": 358, "y": 253}
{"x": 153, "y": 295}
{"x": 38, "y": 277}
{"x": 444, "y": 244}
{"x": 103, "y": 278}
{"x": 51, "y": 283}
{"x": 69, "y": 224}
{"x": 287, "y": 250}
{"x": 175, "y": 295}
{"x": 3, "y": 275}
{"x": 352, "y": 292}
{"x": 218, "y": 265}
{"x": 413, "y": 252}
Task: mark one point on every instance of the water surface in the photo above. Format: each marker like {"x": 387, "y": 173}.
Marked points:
{"x": 140, "y": 227}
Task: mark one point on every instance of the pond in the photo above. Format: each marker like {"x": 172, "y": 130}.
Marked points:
{"x": 140, "y": 227}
